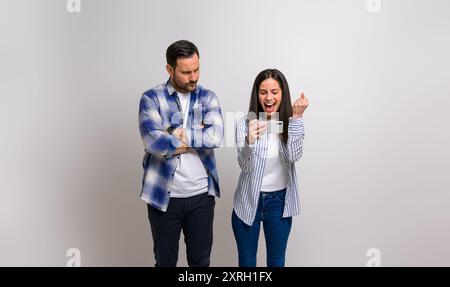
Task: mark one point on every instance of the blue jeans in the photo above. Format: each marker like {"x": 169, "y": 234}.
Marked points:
{"x": 276, "y": 231}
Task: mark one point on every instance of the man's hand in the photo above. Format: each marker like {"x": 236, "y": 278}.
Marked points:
{"x": 180, "y": 133}
{"x": 299, "y": 106}
{"x": 182, "y": 149}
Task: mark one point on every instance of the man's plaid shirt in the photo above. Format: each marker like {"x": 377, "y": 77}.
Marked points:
{"x": 159, "y": 113}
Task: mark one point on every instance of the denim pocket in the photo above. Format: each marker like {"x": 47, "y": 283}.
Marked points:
{"x": 280, "y": 195}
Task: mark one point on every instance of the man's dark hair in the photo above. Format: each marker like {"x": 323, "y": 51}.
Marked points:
{"x": 180, "y": 49}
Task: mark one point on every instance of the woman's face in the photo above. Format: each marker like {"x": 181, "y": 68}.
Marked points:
{"x": 269, "y": 96}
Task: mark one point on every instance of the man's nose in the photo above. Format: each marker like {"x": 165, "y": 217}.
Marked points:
{"x": 192, "y": 77}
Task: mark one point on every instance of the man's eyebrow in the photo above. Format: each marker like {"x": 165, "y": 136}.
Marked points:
{"x": 188, "y": 71}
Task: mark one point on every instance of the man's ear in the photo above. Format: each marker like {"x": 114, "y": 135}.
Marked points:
{"x": 170, "y": 70}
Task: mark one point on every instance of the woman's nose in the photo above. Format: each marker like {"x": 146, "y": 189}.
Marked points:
{"x": 269, "y": 96}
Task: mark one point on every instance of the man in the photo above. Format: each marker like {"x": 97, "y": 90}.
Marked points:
{"x": 181, "y": 124}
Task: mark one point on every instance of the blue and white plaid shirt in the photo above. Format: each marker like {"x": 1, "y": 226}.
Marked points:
{"x": 159, "y": 112}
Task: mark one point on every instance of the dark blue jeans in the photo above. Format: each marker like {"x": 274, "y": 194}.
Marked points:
{"x": 276, "y": 231}
{"x": 194, "y": 215}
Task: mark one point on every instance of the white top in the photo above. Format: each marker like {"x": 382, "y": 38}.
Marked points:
{"x": 190, "y": 176}
{"x": 275, "y": 176}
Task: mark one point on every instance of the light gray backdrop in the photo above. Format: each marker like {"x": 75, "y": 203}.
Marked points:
{"x": 375, "y": 170}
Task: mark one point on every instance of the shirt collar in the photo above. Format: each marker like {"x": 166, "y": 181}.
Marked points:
{"x": 172, "y": 90}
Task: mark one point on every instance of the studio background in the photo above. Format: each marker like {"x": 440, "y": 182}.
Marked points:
{"x": 374, "y": 173}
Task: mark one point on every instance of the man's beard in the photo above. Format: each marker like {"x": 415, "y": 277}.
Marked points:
{"x": 184, "y": 88}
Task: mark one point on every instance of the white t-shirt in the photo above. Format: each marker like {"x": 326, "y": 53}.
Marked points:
{"x": 190, "y": 176}
{"x": 276, "y": 174}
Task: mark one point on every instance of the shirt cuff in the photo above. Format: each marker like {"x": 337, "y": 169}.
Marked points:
{"x": 296, "y": 126}
{"x": 174, "y": 144}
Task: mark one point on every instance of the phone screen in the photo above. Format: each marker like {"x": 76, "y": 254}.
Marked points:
{"x": 274, "y": 127}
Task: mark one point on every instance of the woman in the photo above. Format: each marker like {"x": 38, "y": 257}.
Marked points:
{"x": 267, "y": 190}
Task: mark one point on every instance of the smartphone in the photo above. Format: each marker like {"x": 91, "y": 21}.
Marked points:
{"x": 274, "y": 127}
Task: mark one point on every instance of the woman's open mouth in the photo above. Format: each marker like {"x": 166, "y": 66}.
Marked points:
{"x": 269, "y": 107}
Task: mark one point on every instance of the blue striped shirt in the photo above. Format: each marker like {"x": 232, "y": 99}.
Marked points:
{"x": 159, "y": 110}
{"x": 252, "y": 160}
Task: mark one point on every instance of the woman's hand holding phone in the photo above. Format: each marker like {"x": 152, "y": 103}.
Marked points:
{"x": 255, "y": 130}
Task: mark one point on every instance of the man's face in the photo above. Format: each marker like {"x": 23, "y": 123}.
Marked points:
{"x": 184, "y": 77}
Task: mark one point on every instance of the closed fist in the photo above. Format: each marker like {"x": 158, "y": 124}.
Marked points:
{"x": 299, "y": 106}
